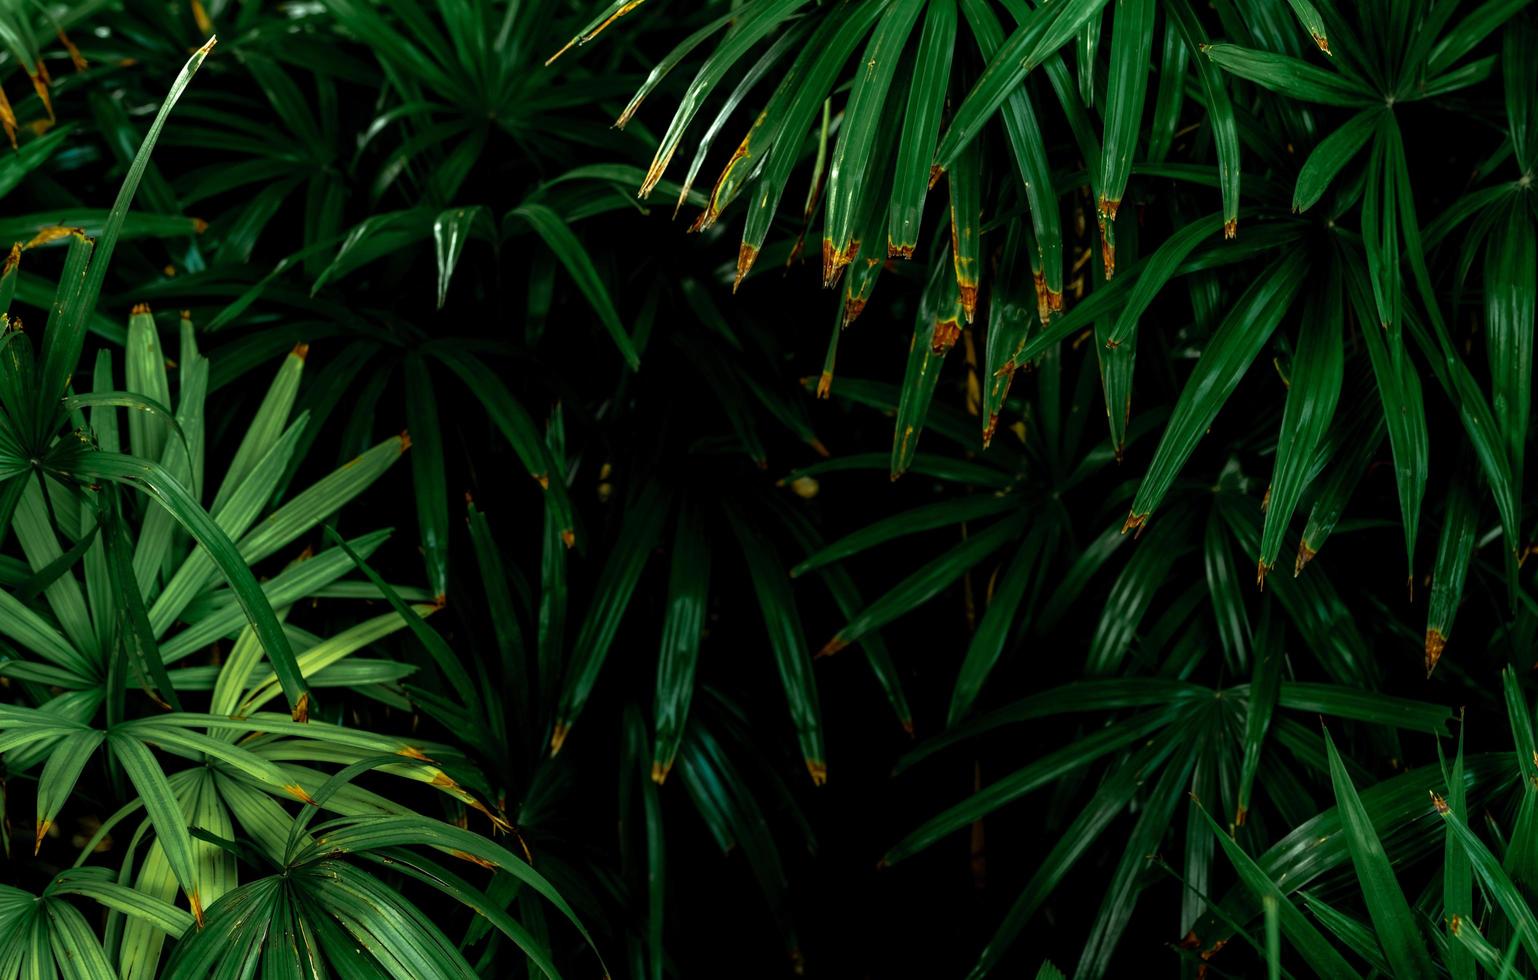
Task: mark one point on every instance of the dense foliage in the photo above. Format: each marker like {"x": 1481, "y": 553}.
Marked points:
{"x": 422, "y": 557}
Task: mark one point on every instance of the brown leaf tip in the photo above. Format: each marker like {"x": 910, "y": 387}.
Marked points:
{"x": 834, "y": 645}
{"x": 405, "y": 438}
{"x": 968, "y": 300}
{"x": 1134, "y": 522}
{"x": 746, "y": 256}
{"x": 1230, "y": 227}
{"x": 558, "y": 737}
{"x": 660, "y": 772}
{"x": 301, "y": 711}
{"x": 1440, "y": 804}
{"x": 853, "y": 307}
{"x": 140, "y": 309}
{"x": 818, "y": 770}
{"x": 1435, "y": 642}
{"x": 1305, "y": 555}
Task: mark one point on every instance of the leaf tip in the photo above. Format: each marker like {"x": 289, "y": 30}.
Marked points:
{"x": 1435, "y": 642}
{"x": 818, "y": 770}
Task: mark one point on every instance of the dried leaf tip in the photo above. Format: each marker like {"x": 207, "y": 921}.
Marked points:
{"x": 660, "y": 772}
{"x": 1435, "y": 642}
{"x": 1324, "y": 44}
{"x": 1261, "y": 570}
{"x": 1230, "y": 227}
{"x": 1134, "y": 522}
{"x": 301, "y": 712}
{"x": 569, "y": 538}
{"x": 1305, "y": 555}
{"x": 968, "y": 300}
{"x": 818, "y": 770}
{"x": 558, "y": 737}
{"x": 301, "y": 350}
{"x": 581, "y": 39}
{"x": 140, "y": 309}
{"x": 300, "y": 793}
{"x": 833, "y": 646}
{"x": 74, "y": 52}
{"x": 42, "y": 831}
{"x": 405, "y": 438}
{"x": 12, "y": 260}
{"x": 197, "y": 907}
{"x": 825, "y": 384}
{"x": 1240, "y": 814}
{"x": 1440, "y": 804}
{"x": 746, "y": 256}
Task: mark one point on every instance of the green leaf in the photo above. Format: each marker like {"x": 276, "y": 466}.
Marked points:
{"x": 1028, "y": 150}
{"x": 852, "y": 166}
{"x": 1455, "y": 548}
{"x": 1310, "y": 944}
{"x": 921, "y": 126}
{"x": 616, "y": 585}
{"x": 1220, "y": 110}
{"x": 1391, "y": 918}
{"x": 1313, "y": 392}
{"x": 1264, "y": 685}
{"x": 1511, "y": 296}
{"x": 451, "y": 229}
{"x": 164, "y": 812}
{"x": 1288, "y": 76}
{"x": 153, "y": 480}
{"x": 427, "y": 470}
{"x": 1330, "y": 156}
{"x": 1156, "y": 273}
{"x": 66, "y": 760}
{"x": 1047, "y": 29}
{"x": 682, "y": 630}
{"x": 927, "y": 582}
{"x": 935, "y": 330}
{"x": 1233, "y": 347}
{"x": 942, "y": 513}
{"x": 787, "y": 640}
{"x": 559, "y": 238}
{"x": 996, "y": 627}
{"x": 1496, "y": 883}
{"x": 1126, "y": 89}
{"x": 1404, "y": 416}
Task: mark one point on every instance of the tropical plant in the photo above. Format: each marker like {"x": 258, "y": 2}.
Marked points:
{"x": 1287, "y": 250}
